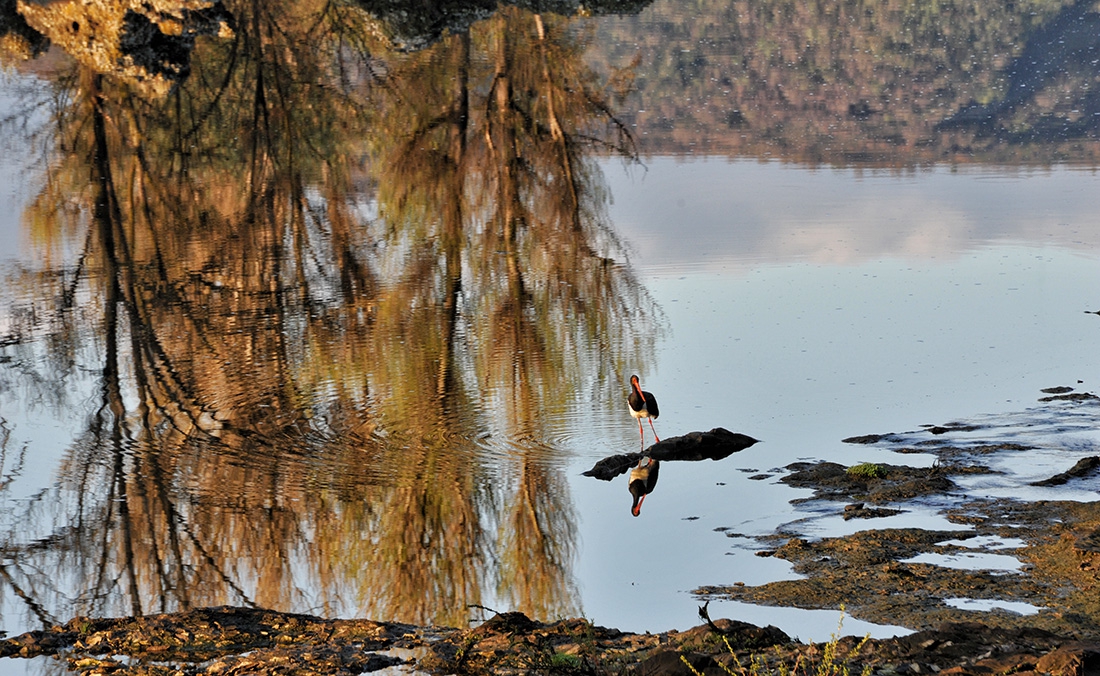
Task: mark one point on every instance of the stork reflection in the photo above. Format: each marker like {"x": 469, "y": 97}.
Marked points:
{"x": 643, "y": 479}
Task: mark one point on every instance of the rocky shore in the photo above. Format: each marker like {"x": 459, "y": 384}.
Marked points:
{"x": 235, "y": 641}
{"x": 1014, "y": 535}
{"x": 1020, "y": 541}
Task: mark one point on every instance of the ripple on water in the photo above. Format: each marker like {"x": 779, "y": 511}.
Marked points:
{"x": 579, "y": 432}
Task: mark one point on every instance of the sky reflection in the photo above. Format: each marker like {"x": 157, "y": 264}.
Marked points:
{"x": 717, "y": 214}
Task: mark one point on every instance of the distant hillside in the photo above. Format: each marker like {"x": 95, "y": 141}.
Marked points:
{"x": 863, "y": 82}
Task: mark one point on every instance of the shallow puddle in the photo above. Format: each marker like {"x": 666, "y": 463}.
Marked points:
{"x": 984, "y": 605}
{"x": 985, "y": 542}
{"x": 818, "y": 626}
{"x": 410, "y": 654}
{"x": 34, "y": 666}
{"x": 833, "y": 524}
{"x": 969, "y": 561}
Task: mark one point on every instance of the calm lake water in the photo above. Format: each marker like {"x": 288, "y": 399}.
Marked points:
{"x": 329, "y": 312}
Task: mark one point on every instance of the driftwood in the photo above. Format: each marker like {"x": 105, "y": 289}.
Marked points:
{"x": 713, "y": 445}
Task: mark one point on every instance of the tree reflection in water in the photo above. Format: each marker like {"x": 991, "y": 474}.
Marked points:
{"x": 318, "y": 281}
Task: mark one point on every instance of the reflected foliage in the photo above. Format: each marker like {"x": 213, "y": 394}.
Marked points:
{"x": 865, "y": 83}
{"x": 1061, "y": 56}
{"x": 327, "y": 302}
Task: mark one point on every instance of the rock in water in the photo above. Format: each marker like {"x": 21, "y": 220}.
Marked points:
{"x": 716, "y": 444}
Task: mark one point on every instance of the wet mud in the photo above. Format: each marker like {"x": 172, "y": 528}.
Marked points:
{"x": 921, "y": 578}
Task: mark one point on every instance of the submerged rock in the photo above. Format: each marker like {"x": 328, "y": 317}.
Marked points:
{"x": 1073, "y": 396}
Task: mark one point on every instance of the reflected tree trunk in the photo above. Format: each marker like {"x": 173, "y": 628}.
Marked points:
{"x": 452, "y": 209}
{"x": 108, "y": 221}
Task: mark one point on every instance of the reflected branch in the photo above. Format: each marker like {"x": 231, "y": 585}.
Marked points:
{"x": 35, "y": 607}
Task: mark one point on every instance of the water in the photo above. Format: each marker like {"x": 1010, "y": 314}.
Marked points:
{"x": 803, "y": 353}
{"x": 1001, "y": 563}
{"x": 357, "y": 369}
{"x": 983, "y": 605}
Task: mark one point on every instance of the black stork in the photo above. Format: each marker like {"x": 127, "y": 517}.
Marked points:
{"x": 642, "y": 405}
{"x": 643, "y": 479}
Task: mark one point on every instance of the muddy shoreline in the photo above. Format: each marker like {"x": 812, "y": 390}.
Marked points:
{"x": 1023, "y": 548}
{"x": 233, "y": 641}
{"x": 922, "y": 578}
